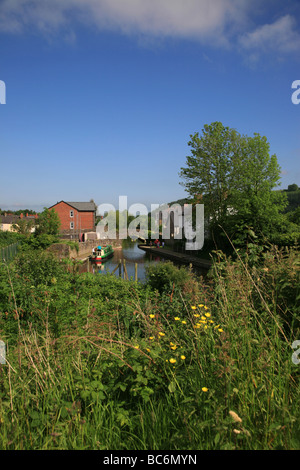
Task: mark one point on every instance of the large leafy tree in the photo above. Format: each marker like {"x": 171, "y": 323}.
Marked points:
{"x": 48, "y": 222}
{"x": 234, "y": 176}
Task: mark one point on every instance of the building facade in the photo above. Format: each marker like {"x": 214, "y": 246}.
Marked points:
{"x": 76, "y": 218}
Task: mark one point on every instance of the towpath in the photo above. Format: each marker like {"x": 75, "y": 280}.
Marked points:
{"x": 180, "y": 257}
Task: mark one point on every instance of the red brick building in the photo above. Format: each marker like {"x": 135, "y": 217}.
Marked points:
{"x": 76, "y": 217}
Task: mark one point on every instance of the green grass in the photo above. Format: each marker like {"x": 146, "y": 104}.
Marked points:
{"x": 95, "y": 362}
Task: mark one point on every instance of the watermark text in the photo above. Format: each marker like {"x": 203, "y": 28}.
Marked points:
{"x": 2, "y": 92}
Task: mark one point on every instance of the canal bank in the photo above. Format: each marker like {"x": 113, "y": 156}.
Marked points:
{"x": 177, "y": 257}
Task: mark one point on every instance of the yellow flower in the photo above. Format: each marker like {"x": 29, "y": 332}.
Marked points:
{"x": 203, "y": 318}
{"x": 184, "y": 322}
{"x": 172, "y": 361}
{"x": 182, "y": 357}
{"x": 196, "y": 315}
{"x": 174, "y": 347}
{"x": 152, "y": 316}
{"x": 161, "y": 334}
{"x": 136, "y": 347}
{"x": 206, "y": 308}
{"x": 193, "y": 307}
{"x": 151, "y": 337}
{"x": 148, "y": 349}
{"x": 220, "y": 329}
{"x": 200, "y": 305}
{"x": 207, "y": 314}
{"x": 176, "y": 318}
{"x": 204, "y": 389}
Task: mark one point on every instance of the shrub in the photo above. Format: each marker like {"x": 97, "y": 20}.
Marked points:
{"x": 164, "y": 276}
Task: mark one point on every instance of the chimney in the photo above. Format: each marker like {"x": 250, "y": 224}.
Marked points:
{"x": 21, "y": 216}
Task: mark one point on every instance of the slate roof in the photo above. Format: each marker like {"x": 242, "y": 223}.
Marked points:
{"x": 9, "y": 219}
{"x": 81, "y": 206}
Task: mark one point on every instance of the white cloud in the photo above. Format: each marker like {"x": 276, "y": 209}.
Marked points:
{"x": 215, "y": 22}
{"x": 201, "y": 19}
{"x": 280, "y": 36}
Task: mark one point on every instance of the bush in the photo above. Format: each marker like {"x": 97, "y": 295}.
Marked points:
{"x": 165, "y": 276}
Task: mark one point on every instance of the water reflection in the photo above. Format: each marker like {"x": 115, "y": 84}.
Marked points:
{"x": 132, "y": 254}
{"x": 136, "y": 262}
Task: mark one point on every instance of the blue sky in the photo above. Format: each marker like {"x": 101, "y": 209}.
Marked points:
{"x": 102, "y": 95}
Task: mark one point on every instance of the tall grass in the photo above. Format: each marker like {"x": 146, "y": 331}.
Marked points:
{"x": 200, "y": 365}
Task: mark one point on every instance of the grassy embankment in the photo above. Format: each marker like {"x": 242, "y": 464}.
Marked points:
{"x": 96, "y": 362}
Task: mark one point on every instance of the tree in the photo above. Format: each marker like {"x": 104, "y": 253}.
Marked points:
{"x": 256, "y": 174}
{"x": 48, "y": 223}
{"x": 24, "y": 226}
{"x": 235, "y": 176}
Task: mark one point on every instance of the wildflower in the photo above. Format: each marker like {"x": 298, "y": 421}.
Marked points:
{"x": 200, "y": 305}
{"x": 196, "y": 315}
{"x": 174, "y": 347}
{"x": 203, "y": 318}
{"x": 152, "y": 316}
{"x": 136, "y": 347}
{"x": 206, "y": 308}
{"x": 220, "y": 329}
{"x": 182, "y": 357}
{"x": 184, "y": 322}
{"x": 151, "y": 337}
{"x": 161, "y": 334}
{"x": 204, "y": 389}
{"x": 176, "y": 318}
{"x": 148, "y": 349}
{"x": 207, "y": 314}
{"x": 193, "y": 307}
{"x": 172, "y": 361}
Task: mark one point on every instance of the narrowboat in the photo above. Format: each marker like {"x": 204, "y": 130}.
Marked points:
{"x": 101, "y": 253}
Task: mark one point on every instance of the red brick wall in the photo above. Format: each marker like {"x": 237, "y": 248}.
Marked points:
{"x": 81, "y": 220}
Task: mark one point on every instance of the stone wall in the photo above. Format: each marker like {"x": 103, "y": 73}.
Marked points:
{"x": 62, "y": 250}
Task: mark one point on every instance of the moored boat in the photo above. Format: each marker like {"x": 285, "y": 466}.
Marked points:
{"x": 101, "y": 253}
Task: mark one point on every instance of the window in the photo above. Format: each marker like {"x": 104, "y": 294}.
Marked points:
{"x": 71, "y": 224}
{"x": 71, "y": 213}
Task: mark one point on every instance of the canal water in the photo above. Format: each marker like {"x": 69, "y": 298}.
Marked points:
{"x": 133, "y": 255}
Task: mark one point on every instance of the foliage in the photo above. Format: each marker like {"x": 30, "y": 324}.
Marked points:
{"x": 97, "y": 362}
{"x": 48, "y": 223}
{"x": 8, "y": 238}
{"x": 39, "y": 241}
{"x": 24, "y": 226}
{"x": 164, "y": 276}
{"x": 235, "y": 176}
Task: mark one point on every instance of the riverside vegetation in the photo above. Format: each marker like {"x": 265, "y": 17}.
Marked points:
{"x": 178, "y": 362}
